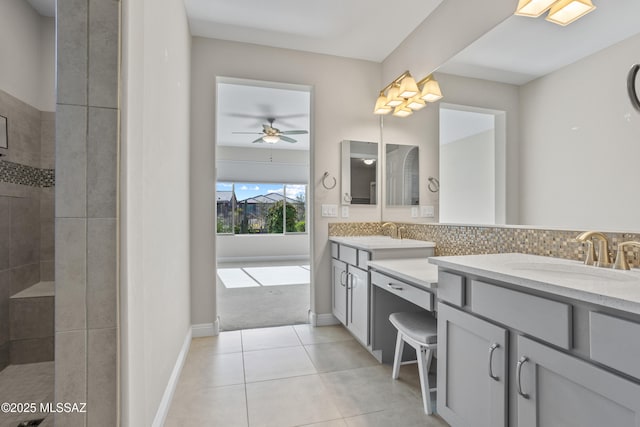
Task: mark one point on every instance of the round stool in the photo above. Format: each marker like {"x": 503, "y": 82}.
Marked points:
{"x": 420, "y": 331}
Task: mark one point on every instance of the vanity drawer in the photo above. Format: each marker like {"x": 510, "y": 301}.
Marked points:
{"x": 539, "y": 317}
{"x": 348, "y": 254}
{"x": 614, "y": 342}
{"x": 451, "y": 288}
{"x": 334, "y": 250}
{"x": 363, "y": 259}
{"x": 404, "y": 290}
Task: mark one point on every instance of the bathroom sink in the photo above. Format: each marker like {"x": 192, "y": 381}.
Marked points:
{"x": 573, "y": 271}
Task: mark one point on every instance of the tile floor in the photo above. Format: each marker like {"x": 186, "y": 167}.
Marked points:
{"x": 293, "y": 376}
{"x": 32, "y": 382}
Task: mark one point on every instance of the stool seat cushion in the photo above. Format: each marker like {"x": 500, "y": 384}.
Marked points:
{"x": 421, "y": 326}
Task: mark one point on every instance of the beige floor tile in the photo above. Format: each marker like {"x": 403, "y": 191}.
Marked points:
{"x": 315, "y": 335}
{"x": 404, "y": 416}
{"x": 333, "y": 423}
{"x": 225, "y": 342}
{"x": 277, "y": 363}
{"x": 338, "y": 356}
{"x": 215, "y": 370}
{"x": 264, "y": 338}
{"x": 371, "y": 389}
{"x": 219, "y": 406}
{"x": 290, "y": 402}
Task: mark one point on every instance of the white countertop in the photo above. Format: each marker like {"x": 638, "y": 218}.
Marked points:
{"x": 416, "y": 271}
{"x": 380, "y": 242}
{"x": 616, "y": 289}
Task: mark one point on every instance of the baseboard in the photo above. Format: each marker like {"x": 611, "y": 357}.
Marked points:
{"x": 205, "y": 329}
{"x": 165, "y": 403}
{"x": 326, "y": 319}
{"x": 258, "y": 259}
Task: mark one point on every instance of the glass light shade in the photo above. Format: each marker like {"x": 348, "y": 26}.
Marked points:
{"x": 381, "y": 106}
{"x": 533, "y": 8}
{"x": 402, "y": 111}
{"x": 416, "y": 104}
{"x": 408, "y": 87}
{"x": 564, "y": 12}
{"x": 393, "y": 100}
{"x": 271, "y": 139}
{"x": 368, "y": 162}
{"x": 431, "y": 91}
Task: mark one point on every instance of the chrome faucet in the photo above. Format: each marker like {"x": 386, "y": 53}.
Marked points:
{"x": 603, "y": 259}
{"x": 621, "y": 260}
{"x": 394, "y": 233}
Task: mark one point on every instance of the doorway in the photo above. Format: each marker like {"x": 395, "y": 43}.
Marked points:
{"x": 263, "y": 203}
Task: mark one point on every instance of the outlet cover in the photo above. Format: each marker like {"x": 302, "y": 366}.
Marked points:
{"x": 427, "y": 211}
{"x": 414, "y": 212}
{"x": 345, "y": 212}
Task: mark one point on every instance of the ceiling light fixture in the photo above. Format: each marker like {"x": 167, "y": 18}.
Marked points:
{"x": 368, "y": 162}
{"x": 271, "y": 139}
{"x": 561, "y": 12}
{"x": 403, "y": 95}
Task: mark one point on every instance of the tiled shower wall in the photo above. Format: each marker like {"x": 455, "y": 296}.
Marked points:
{"x": 26, "y": 217}
{"x": 87, "y": 114}
{"x": 469, "y": 240}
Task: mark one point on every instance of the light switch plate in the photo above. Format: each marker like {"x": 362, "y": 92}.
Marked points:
{"x": 330, "y": 211}
{"x": 345, "y": 212}
{"x": 427, "y": 211}
{"x": 414, "y": 212}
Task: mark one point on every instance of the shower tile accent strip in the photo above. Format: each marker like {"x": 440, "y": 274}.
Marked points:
{"x": 16, "y": 173}
{"x": 473, "y": 239}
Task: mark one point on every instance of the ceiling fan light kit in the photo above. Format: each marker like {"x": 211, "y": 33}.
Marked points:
{"x": 403, "y": 95}
{"x": 561, "y": 12}
{"x": 272, "y": 135}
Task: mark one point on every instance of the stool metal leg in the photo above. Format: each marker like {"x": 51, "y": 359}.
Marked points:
{"x": 397, "y": 358}
{"x": 424, "y": 360}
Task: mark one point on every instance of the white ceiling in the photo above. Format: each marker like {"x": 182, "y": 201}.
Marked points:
{"x": 522, "y": 49}
{"x": 44, "y": 7}
{"x": 365, "y": 29}
{"x": 245, "y": 107}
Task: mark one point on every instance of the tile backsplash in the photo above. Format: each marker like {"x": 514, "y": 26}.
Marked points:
{"x": 474, "y": 239}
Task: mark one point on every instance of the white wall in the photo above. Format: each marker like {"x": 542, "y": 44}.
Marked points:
{"x": 467, "y": 180}
{"x": 333, "y": 120}
{"x": 27, "y": 47}
{"x": 155, "y": 273}
{"x": 580, "y": 126}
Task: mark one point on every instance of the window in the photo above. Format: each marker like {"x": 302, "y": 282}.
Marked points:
{"x": 260, "y": 208}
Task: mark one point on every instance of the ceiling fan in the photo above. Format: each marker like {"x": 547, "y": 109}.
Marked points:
{"x": 272, "y": 135}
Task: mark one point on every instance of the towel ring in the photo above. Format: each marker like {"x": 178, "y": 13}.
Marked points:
{"x": 631, "y": 86}
{"x": 324, "y": 181}
{"x": 434, "y": 184}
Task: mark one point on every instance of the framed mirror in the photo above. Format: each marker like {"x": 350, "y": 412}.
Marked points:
{"x": 402, "y": 173}
{"x": 359, "y": 173}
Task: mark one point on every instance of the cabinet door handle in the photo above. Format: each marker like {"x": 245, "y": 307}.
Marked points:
{"x": 492, "y": 348}
{"x": 395, "y": 287}
{"x": 343, "y": 274}
{"x": 521, "y": 362}
{"x": 351, "y": 299}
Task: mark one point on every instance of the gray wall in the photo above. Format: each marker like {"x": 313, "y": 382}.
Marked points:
{"x": 85, "y": 210}
{"x": 26, "y": 247}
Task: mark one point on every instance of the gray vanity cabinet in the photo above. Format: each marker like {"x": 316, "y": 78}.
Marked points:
{"x": 358, "y": 303}
{"x": 472, "y": 366}
{"x": 339, "y": 283}
{"x": 556, "y": 389}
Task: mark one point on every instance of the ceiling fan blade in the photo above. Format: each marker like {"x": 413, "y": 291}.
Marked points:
{"x": 257, "y": 140}
{"x": 295, "y": 132}
{"x": 286, "y": 138}
{"x": 247, "y": 133}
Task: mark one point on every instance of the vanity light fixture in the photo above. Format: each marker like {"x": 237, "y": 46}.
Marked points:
{"x": 561, "y": 12}
{"x": 271, "y": 139}
{"x": 404, "y": 96}
{"x": 564, "y": 12}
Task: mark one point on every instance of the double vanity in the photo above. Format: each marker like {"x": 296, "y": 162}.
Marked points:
{"x": 523, "y": 340}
